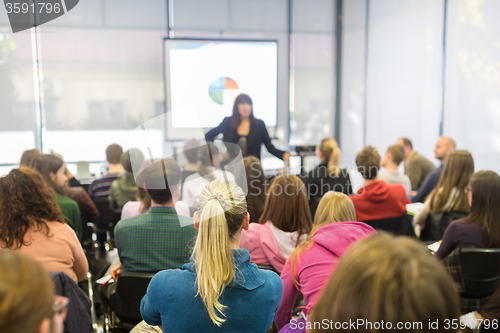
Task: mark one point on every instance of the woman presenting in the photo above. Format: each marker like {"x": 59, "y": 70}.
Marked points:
{"x": 244, "y": 130}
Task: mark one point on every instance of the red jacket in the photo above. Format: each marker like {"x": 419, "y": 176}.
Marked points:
{"x": 379, "y": 200}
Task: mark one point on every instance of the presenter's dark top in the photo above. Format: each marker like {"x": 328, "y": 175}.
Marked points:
{"x": 257, "y": 136}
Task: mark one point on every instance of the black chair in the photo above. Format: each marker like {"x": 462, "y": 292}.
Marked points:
{"x": 436, "y": 225}
{"x": 268, "y": 267}
{"x": 400, "y": 225}
{"x": 480, "y": 271}
{"x": 124, "y": 303}
{"x": 109, "y": 218}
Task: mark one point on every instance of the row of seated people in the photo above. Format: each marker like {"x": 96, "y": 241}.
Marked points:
{"x": 411, "y": 287}
{"x": 286, "y": 223}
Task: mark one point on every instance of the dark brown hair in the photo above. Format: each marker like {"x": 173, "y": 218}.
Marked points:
{"x": 456, "y": 175}
{"x": 45, "y": 164}
{"x": 390, "y": 280}
{"x": 205, "y": 156}
{"x": 27, "y": 293}
{"x": 26, "y": 201}
{"x": 235, "y": 117}
{"x": 257, "y": 187}
{"x": 287, "y": 207}
{"x": 28, "y": 156}
{"x": 368, "y": 162}
{"x": 397, "y": 153}
{"x": 114, "y": 153}
{"x": 161, "y": 179}
{"x": 485, "y": 207}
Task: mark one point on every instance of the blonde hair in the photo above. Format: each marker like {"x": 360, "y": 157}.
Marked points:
{"x": 222, "y": 208}
{"x": 333, "y": 207}
{"x": 330, "y": 150}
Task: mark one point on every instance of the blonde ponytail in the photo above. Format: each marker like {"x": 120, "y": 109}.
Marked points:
{"x": 222, "y": 209}
{"x": 331, "y": 152}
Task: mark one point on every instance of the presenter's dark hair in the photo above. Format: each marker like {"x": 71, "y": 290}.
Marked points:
{"x": 235, "y": 117}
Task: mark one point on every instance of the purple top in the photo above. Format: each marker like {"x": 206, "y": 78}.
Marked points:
{"x": 460, "y": 234}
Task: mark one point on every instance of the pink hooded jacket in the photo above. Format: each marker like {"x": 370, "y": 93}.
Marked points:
{"x": 314, "y": 267}
{"x": 262, "y": 246}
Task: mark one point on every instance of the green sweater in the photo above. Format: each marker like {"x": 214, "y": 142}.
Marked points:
{"x": 71, "y": 213}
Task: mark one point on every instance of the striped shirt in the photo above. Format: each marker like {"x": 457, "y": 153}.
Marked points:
{"x": 157, "y": 240}
{"x": 100, "y": 188}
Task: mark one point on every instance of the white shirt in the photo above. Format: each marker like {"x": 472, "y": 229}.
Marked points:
{"x": 133, "y": 208}
{"x": 286, "y": 240}
{"x": 194, "y": 185}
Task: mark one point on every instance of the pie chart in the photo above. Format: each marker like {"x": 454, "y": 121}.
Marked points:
{"x": 223, "y": 90}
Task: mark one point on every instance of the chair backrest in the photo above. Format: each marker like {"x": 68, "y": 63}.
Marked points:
{"x": 130, "y": 289}
{"x": 109, "y": 217}
{"x": 268, "y": 267}
{"x": 480, "y": 271}
{"x": 436, "y": 225}
{"x": 400, "y": 225}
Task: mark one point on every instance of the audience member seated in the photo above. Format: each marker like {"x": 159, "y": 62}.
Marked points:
{"x": 28, "y": 157}
{"x": 376, "y": 200}
{"x": 489, "y": 314}
{"x": 383, "y": 280}
{"x": 27, "y": 300}
{"x": 124, "y": 188}
{"x": 143, "y": 203}
{"x": 284, "y": 224}
{"x": 219, "y": 290}
{"x": 327, "y": 176}
{"x": 444, "y": 146}
{"x": 100, "y": 188}
{"x": 391, "y": 161}
{"x": 209, "y": 160}
{"x": 481, "y": 228}
{"x": 256, "y": 186}
{"x": 314, "y": 260}
{"x": 417, "y": 167}
{"x": 31, "y": 223}
{"x": 449, "y": 195}
{"x": 53, "y": 172}
{"x": 190, "y": 151}
{"x": 159, "y": 239}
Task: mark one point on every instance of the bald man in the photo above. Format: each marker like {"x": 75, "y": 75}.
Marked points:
{"x": 417, "y": 167}
{"x": 444, "y": 146}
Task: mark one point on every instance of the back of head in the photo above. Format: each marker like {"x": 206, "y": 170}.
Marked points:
{"x": 221, "y": 211}
{"x": 331, "y": 153}
{"x": 368, "y": 162}
{"x": 456, "y": 175}
{"x": 114, "y": 153}
{"x": 28, "y": 156}
{"x": 45, "y": 164}
{"x": 406, "y": 143}
{"x": 333, "y": 207}
{"x": 256, "y": 185}
{"x": 397, "y": 153}
{"x": 26, "y": 293}
{"x": 25, "y": 200}
{"x": 287, "y": 206}
{"x": 394, "y": 281}
{"x": 161, "y": 179}
{"x": 484, "y": 211}
{"x": 190, "y": 150}
{"x": 206, "y": 154}
{"x": 132, "y": 160}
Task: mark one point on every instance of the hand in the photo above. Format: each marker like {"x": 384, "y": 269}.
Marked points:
{"x": 286, "y": 157}
{"x": 413, "y": 193}
{"x": 115, "y": 271}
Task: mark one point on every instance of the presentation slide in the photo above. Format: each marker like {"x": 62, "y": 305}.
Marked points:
{"x": 203, "y": 78}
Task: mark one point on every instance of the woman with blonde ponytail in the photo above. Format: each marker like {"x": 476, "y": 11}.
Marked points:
{"x": 219, "y": 290}
{"x": 327, "y": 176}
{"x": 315, "y": 260}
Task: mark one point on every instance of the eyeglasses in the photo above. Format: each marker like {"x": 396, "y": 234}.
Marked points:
{"x": 60, "y": 304}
